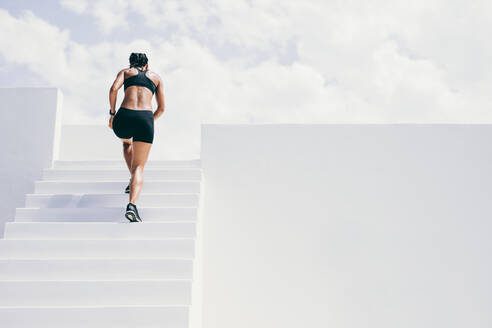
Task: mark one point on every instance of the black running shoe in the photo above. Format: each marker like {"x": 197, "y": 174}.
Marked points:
{"x": 127, "y": 189}
{"x": 132, "y": 213}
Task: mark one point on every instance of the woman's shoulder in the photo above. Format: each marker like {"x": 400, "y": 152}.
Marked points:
{"x": 156, "y": 78}
{"x": 132, "y": 71}
{"x": 129, "y": 70}
{"x": 149, "y": 73}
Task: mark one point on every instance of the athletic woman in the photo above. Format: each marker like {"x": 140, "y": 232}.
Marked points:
{"x": 134, "y": 121}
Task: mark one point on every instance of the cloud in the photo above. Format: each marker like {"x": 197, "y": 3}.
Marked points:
{"x": 109, "y": 14}
{"x": 273, "y": 61}
{"x": 78, "y": 6}
{"x": 339, "y": 40}
{"x": 35, "y": 43}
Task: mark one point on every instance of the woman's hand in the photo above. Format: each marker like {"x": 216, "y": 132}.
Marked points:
{"x": 111, "y": 122}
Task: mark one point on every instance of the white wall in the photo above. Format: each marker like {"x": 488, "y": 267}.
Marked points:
{"x": 347, "y": 226}
{"x": 30, "y": 132}
{"x": 89, "y": 142}
{"x": 98, "y": 142}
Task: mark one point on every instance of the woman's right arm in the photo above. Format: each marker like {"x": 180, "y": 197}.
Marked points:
{"x": 113, "y": 91}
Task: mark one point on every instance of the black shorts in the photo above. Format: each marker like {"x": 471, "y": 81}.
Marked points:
{"x": 139, "y": 124}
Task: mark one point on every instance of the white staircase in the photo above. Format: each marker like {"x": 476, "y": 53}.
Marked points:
{"x": 70, "y": 259}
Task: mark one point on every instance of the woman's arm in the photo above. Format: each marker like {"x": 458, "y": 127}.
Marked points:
{"x": 113, "y": 91}
{"x": 159, "y": 95}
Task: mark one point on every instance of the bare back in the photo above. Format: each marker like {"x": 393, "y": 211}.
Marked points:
{"x": 138, "y": 97}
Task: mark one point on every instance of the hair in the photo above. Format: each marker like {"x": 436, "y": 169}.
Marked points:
{"x": 138, "y": 59}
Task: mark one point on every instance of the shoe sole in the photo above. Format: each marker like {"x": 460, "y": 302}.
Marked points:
{"x": 130, "y": 215}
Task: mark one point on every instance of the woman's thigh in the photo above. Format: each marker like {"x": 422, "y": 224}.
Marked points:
{"x": 141, "y": 152}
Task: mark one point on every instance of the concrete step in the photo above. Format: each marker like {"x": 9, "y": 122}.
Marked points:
{"x": 95, "y": 292}
{"x": 95, "y": 269}
{"x": 104, "y": 230}
{"x": 58, "y": 164}
{"x": 110, "y": 200}
{"x": 188, "y": 174}
{"x": 113, "y": 187}
{"x": 101, "y": 214}
{"x": 95, "y": 317}
{"x": 120, "y": 248}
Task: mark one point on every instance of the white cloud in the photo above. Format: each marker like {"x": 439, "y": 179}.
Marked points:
{"x": 78, "y": 6}
{"x": 35, "y": 43}
{"x": 351, "y": 62}
{"x": 109, "y": 14}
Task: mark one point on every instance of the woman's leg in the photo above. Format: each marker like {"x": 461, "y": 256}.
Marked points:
{"x": 127, "y": 152}
{"x": 140, "y": 154}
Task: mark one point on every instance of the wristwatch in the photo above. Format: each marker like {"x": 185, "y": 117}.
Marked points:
{"x": 110, "y": 113}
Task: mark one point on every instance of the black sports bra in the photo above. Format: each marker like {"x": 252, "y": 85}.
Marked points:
{"x": 140, "y": 79}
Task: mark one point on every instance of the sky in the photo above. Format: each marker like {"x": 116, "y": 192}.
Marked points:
{"x": 259, "y": 61}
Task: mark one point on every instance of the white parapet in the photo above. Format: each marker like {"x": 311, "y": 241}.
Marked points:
{"x": 31, "y": 125}
{"x": 347, "y": 226}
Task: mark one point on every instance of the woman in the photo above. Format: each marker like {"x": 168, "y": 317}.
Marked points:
{"x": 134, "y": 121}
